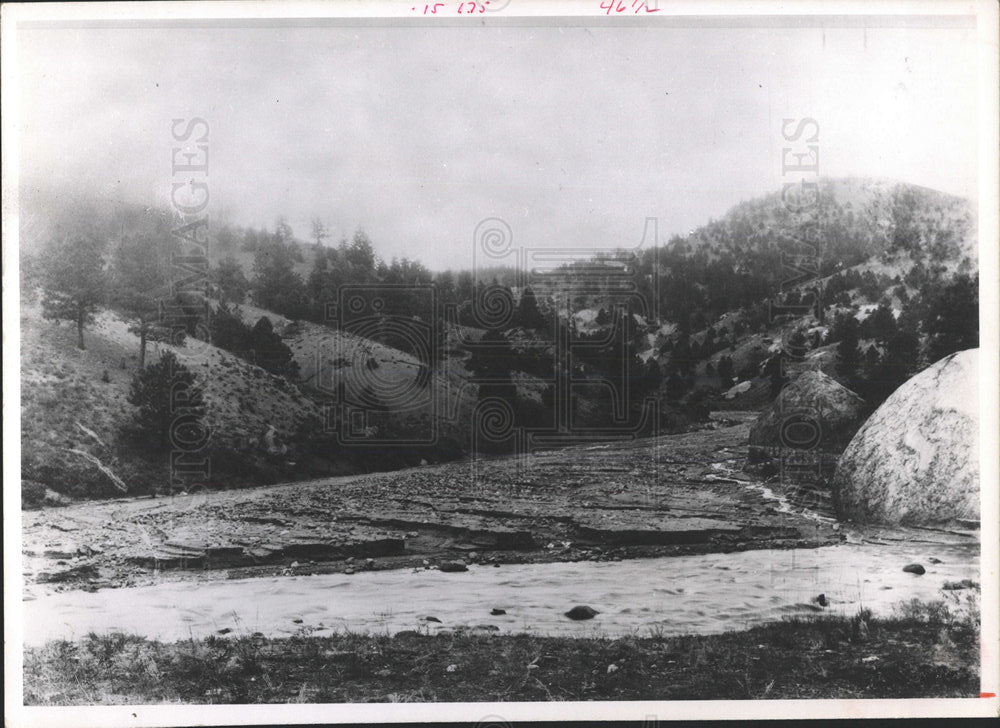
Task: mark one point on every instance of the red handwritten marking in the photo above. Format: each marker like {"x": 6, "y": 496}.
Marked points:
{"x": 987, "y": 695}
{"x": 620, "y": 6}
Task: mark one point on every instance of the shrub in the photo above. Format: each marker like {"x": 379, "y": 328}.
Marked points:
{"x": 32, "y": 494}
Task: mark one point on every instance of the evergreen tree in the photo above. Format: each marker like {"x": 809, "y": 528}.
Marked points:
{"x": 676, "y": 386}
{"x": 952, "y": 322}
{"x": 726, "y": 370}
{"x": 846, "y": 331}
{"x": 490, "y": 365}
{"x": 270, "y": 352}
{"x": 170, "y": 405}
{"x": 74, "y": 282}
{"x": 774, "y": 370}
{"x": 880, "y": 324}
{"x": 139, "y": 280}
{"x": 230, "y": 280}
{"x": 896, "y": 365}
{"x": 276, "y": 285}
{"x": 528, "y": 314}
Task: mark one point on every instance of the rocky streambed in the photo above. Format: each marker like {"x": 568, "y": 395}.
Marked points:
{"x": 677, "y": 494}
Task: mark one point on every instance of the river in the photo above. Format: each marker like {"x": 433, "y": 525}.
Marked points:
{"x": 701, "y": 594}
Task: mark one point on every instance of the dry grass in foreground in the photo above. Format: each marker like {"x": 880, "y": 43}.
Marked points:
{"x": 924, "y": 651}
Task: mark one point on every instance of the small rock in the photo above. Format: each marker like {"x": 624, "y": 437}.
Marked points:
{"x": 497, "y": 612}
{"x": 532, "y": 666}
{"x": 450, "y": 567}
{"x": 224, "y": 630}
{"x": 836, "y": 526}
{"x": 935, "y": 561}
{"x": 384, "y": 673}
{"x": 294, "y": 564}
{"x": 821, "y": 600}
{"x": 432, "y": 619}
{"x": 956, "y": 585}
{"x": 412, "y": 534}
{"x": 581, "y": 612}
{"x": 473, "y": 555}
{"x": 297, "y": 621}
{"x": 612, "y": 668}
{"x": 451, "y": 668}
{"x": 915, "y": 569}
{"x": 348, "y": 571}
{"x": 369, "y": 563}
{"x": 488, "y": 627}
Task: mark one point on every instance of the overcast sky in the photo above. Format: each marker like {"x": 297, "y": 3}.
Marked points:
{"x": 573, "y": 135}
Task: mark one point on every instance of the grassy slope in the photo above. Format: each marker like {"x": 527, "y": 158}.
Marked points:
{"x": 924, "y": 652}
{"x": 62, "y": 386}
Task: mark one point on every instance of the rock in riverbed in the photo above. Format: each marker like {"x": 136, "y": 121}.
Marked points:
{"x": 917, "y": 569}
{"x": 834, "y": 415}
{"x": 956, "y": 585}
{"x": 450, "y": 567}
{"x": 581, "y": 612}
{"x": 497, "y": 612}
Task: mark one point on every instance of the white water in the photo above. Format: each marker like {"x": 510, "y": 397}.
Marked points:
{"x": 670, "y": 595}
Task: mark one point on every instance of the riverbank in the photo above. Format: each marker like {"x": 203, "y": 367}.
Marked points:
{"x": 926, "y": 650}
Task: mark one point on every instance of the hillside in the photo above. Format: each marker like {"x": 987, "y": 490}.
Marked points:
{"x": 364, "y": 397}
{"x": 67, "y": 405}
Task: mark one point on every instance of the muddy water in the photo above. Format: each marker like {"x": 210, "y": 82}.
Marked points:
{"x": 672, "y": 595}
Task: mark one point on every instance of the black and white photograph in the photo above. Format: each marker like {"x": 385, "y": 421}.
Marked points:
{"x": 604, "y": 359}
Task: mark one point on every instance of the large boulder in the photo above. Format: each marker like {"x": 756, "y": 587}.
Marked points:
{"x": 814, "y": 412}
{"x": 916, "y": 460}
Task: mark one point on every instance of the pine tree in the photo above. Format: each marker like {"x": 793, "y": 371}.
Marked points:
{"x": 896, "y": 365}
{"x": 490, "y": 364}
{"x": 880, "y": 324}
{"x": 230, "y": 280}
{"x": 846, "y": 331}
{"x": 74, "y": 282}
{"x": 726, "y": 370}
{"x": 139, "y": 281}
{"x": 276, "y": 285}
{"x": 952, "y": 322}
{"x": 270, "y": 352}
{"x": 170, "y": 405}
{"x": 528, "y": 314}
